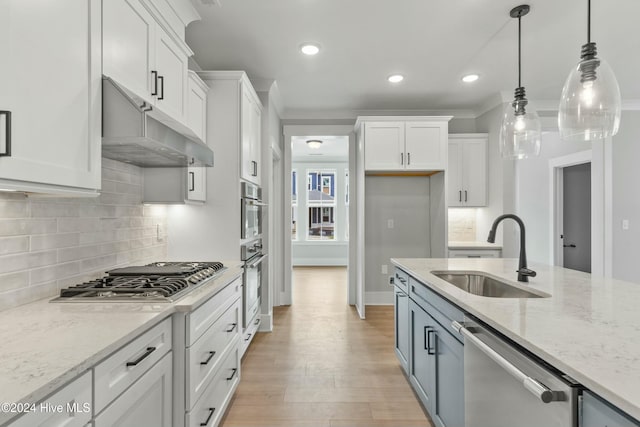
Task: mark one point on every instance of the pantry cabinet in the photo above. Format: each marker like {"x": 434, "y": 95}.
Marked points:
{"x": 467, "y": 170}
{"x": 143, "y": 53}
{"x": 405, "y": 143}
{"x": 50, "y": 118}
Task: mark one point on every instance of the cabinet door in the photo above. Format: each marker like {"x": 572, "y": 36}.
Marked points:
{"x": 146, "y": 403}
{"x": 474, "y": 172}
{"x": 426, "y": 145}
{"x": 171, "y": 64}
{"x": 448, "y": 379}
{"x": 384, "y": 146}
{"x": 197, "y": 184}
{"x": 420, "y": 359}
{"x": 246, "y": 134}
{"x": 597, "y": 413}
{"x": 454, "y": 172}
{"x": 129, "y": 46}
{"x": 256, "y": 138}
{"x": 197, "y": 106}
{"x": 51, "y": 83}
{"x": 402, "y": 328}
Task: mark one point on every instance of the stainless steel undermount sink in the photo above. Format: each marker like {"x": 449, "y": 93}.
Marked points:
{"x": 485, "y": 285}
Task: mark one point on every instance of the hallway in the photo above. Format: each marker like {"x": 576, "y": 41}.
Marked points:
{"x": 324, "y": 367}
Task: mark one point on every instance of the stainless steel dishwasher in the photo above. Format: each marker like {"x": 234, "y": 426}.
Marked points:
{"x": 503, "y": 387}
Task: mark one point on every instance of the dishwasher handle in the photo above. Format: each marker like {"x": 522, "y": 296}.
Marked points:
{"x": 538, "y": 389}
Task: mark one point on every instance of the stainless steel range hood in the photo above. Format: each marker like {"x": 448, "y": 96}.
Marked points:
{"x": 133, "y": 131}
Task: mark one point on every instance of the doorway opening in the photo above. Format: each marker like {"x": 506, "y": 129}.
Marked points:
{"x": 572, "y": 211}
{"x": 317, "y": 207}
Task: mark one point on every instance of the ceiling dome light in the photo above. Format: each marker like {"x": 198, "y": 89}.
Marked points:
{"x": 590, "y": 105}
{"x": 520, "y": 131}
{"x": 310, "y": 49}
{"x": 395, "y": 78}
{"x": 470, "y": 78}
{"x": 314, "y": 143}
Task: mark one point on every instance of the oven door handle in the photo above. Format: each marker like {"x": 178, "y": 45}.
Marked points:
{"x": 256, "y": 262}
{"x": 538, "y": 389}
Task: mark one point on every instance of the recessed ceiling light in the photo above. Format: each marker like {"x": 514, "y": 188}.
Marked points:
{"x": 310, "y": 49}
{"x": 469, "y": 78}
{"x": 395, "y": 78}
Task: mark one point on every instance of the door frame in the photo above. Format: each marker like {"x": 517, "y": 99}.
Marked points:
{"x": 289, "y": 131}
{"x": 556, "y": 167}
{"x": 276, "y": 227}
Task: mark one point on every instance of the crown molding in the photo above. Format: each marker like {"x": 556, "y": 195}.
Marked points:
{"x": 353, "y": 114}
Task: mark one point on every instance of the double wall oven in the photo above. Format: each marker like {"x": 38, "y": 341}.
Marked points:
{"x": 252, "y": 255}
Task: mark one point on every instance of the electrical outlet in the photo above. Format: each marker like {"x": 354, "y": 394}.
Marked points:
{"x": 390, "y": 223}
{"x": 625, "y": 224}
{"x": 159, "y": 233}
{"x": 385, "y": 269}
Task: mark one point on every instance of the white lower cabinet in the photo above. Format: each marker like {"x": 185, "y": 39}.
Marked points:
{"x": 147, "y": 403}
{"x": 75, "y": 401}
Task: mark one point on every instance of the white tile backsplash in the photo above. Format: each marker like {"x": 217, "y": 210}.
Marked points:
{"x": 462, "y": 225}
{"x": 50, "y": 243}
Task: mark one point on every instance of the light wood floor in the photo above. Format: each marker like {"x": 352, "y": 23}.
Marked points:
{"x": 324, "y": 367}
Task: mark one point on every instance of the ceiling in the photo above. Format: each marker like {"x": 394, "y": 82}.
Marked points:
{"x": 335, "y": 148}
{"x": 433, "y": 43}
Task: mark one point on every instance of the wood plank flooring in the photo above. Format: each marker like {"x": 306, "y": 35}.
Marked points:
{"x": 324, "y": 367}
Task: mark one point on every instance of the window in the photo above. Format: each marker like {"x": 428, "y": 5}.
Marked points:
{"x": 321, "y": 204}
{"x": 294, "y": 205}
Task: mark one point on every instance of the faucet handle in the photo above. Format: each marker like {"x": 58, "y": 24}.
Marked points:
{"x": 526, "y": 272}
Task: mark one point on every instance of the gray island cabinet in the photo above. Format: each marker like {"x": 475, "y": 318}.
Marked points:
{"x": 432, "y": 353}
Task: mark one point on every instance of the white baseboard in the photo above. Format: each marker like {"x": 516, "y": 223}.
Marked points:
{"x": 266, "y": 323}
{"x": 317, "y": 262}
{"x": 378, "y": 298}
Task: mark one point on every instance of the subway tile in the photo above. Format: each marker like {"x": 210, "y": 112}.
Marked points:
{"x": 54, "y": 210}
{"x": 125, "y": 188}
{"x": 78, "y": 224}
{"x": 12, "y": 245}
{"x": 14, "y": 208}
{"x": 54, "y": 272}
{"x": 104, "y": 261}
{"x": 14, "y": 280}
{"x": 18, "y": 227}
{"x": 53, "y": 241}
{"x": 26, "y": 295}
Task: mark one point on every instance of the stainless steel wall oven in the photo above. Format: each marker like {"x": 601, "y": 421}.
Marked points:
{"x": 251, "y": 197}
{"x": 253, "y": 257}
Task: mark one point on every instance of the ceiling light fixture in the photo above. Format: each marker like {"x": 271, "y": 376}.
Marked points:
{"x": 395, "y": 78}
{"x": 314, "y": 143}
{"x": 470, "y": 78}
{"x": 520, "y": 130}
{"x": 590, "y": 104}
{"x": 310, "y": 49}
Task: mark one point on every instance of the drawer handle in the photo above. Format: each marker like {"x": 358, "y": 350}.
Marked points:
{"x": 256, "y": 322}
{"x": 233, "y": 374}
{"x": 430, "y": 350}
{"x": 7, "y": 133}
{"x": 141, "y": 358}
{"x": 211, "y": 411}
{"x": 161, "y": 94}
{"x": 233, "y": 327}
{"x": 211, "y": 354}
{"x": 154, "y": 74}
{"x": 248, "y": 337}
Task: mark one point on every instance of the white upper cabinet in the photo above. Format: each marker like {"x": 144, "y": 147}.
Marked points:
{"x": 197, "y": 92}
{"x": 467, "y": 170}
{"x": 50, "y": 96}
{"x": 405, "y": 143}
{"x": 250, "y": 134}
{"x": 143, "y": 53}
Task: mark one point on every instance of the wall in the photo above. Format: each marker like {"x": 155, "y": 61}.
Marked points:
{"x": 406, "y": 202}
{"x": 49, "y": 243}
{"x": 336, "y": 252}
{"x": 626, "y": 197}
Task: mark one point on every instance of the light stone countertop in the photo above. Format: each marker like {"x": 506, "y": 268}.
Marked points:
{"x": 589, "y": 327}
{"x": 46, "y": 345}
{"x": 473, "y": 245}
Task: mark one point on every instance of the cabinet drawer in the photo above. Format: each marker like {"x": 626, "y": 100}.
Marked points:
{"x": 401, "y": 280}
{"x": 208, "y": 352}
{"x": 440, "y": 309}
{"x": 211, "y": 406}
{"x": 116, "y": 373}
{"x": 146, "y": 403}
{"x": 75, "y": 398}
{"x": 204, "y": 316}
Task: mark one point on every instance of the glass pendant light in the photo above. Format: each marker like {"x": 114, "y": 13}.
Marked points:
{"x": 590, "y": 104}
{"x": 520, "y": 131}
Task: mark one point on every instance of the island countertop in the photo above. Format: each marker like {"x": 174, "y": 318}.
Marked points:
{"x": 45, "y": 345}
{"x": 588, "y": 328}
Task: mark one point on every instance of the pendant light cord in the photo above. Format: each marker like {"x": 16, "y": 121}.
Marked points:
{"x": 588, "y": 21}
{"x": 519, "y": 54}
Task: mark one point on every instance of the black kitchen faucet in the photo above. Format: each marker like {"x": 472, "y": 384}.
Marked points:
{"x": 523, "y": 271}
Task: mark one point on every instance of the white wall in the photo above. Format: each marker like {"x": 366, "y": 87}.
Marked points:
{"x": 626, "y": 197}
{"x": 312, "y": 252}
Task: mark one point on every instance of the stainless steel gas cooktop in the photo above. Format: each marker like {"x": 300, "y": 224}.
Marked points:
{"x": 156, "y": 282}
